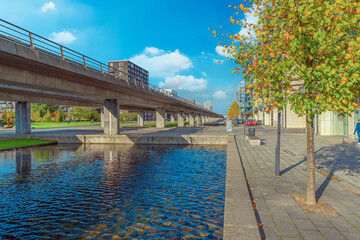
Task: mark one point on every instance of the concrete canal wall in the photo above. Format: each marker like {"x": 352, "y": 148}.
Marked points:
{"x": 133, "y": 139}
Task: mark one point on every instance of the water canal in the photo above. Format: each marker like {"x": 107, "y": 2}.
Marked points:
{"x": 112, "y": 192}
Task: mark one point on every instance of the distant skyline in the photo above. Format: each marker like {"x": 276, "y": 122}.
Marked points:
{"x": 170, "y": 39}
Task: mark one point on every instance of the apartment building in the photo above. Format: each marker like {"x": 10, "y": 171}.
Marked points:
{"x": 6, "y": 105}
{"x": 129, "y": 70}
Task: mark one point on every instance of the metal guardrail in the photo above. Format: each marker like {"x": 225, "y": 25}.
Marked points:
{"x": 31, "y": 40}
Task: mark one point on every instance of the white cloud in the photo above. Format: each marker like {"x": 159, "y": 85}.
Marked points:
{"x": 249, "y": 19}
{"x": 153, "y": 50}
{"x": 220, "y": 50}
{"x": 203, "y": 74}
{"x": 219, "y": 95}
{"x": 184, "y": 82}
{"x": 218, "y": 61}
{"x": 63, "y": 37}
{"x": 160, "y": 63}
{"x": 49, "y": 6}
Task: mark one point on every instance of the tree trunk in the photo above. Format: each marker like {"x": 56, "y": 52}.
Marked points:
{"x": 310, "y": 194}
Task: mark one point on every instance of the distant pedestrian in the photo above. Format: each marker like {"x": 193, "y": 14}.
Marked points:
{"x": 69, "y": 121}
{"x": 91, "y": 121}
{"x": 357, "y": 129}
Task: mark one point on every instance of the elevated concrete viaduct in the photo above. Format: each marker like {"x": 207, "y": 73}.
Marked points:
{"x": 36, "y": 70}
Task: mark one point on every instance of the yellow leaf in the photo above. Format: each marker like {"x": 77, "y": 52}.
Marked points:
{"x": 347, "y": 56}
{"x": 237, "y": 22}
{"x": 358, "y": 10}
{"x": 224, "y": 50}
{"x": 220, "y": 26}
{"x": 292, "y": 37}
{"x": 232, "y": 21}
{"x": 230, "y": 6}
{"x": 287, "y": 35}
{"x": 307, "y": 13}
{"x": 272, "y": 54}
{"x": 214, "y": 32}
{"x": 255, "y": 15}
{"x": 241, "y": 7}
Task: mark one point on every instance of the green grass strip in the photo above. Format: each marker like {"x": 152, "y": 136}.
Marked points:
{"x": 61, "y": 124}
{"x": 22, "y": 142}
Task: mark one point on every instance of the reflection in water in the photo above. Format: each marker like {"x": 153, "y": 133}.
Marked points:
{"x": 102, "y": 191}
{"x": 23, "y": 162}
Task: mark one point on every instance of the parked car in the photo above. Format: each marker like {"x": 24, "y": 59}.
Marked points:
{"x": 258, "y": 122}
{"x": 250, "y": 122}
{"x": 240, "y": 121}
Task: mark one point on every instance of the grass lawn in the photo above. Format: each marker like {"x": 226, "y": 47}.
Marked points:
{"x": 21, "y": 142}
{"x": 61, "y": 124}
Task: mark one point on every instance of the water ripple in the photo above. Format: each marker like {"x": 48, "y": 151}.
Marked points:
{"x": 112, "y": 192}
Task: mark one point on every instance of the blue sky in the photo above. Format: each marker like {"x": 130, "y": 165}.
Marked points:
{"x": 169, "y": 38}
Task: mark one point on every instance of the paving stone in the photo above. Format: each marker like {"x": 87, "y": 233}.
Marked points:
{"x": 320, "y": 221}
{"x": 288, "y": 229}
{"x": 311, "y": 235}
{"x": 351, "y": 236}
{"x": 331, "y": 233}
{"x": 303, "y": 224}
{"x": 271, "y": 233}
{"x": 341, "y": 224}
{"x": 288, "y": 216}
{"x": 296, "y": 212}
{"x": 241, "y": 232}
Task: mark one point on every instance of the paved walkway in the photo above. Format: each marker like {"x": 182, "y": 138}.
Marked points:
{"x": 279, "y": 214}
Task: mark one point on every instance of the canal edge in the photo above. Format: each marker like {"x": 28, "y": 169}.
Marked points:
{"x": 30, "y": 146}
{"x": 239, "y": 217}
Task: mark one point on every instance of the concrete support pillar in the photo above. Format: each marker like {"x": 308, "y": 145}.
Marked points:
{"x": 198, "y": 119}
{"x": 191, "y": 120}
{"x": 22, "y": 118}
{"x": 267, "y": 119}
{"x": 102, "y": 117}
{"x": 160, "y": 117}
{"x": 351, "y": 125}
{"x": 180, "y": 116}
{"x": 203, "y": 119}
{"x": 111, "y": 117}
{"x": 172, "y": 117}
{"x": 140, "y": 119}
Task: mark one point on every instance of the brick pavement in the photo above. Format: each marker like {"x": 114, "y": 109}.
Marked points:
{"x": 279, "y": 214}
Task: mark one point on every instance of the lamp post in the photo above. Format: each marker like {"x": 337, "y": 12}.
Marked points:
{"x": 277, "y": 149}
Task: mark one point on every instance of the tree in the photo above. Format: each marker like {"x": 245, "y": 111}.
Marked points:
{"x": 35, "y": 116}
{"x": 47, "y": 117}
{"x": 42, "y": 108}
{"x": 293, "y": 56}
{"x": 234, "y": 110}
{"x": 4, "y": 116}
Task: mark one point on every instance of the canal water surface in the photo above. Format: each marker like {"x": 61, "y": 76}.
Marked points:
{"x": 112, "y": 192}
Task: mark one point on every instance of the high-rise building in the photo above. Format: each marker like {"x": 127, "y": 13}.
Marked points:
{"x": 244, "y": 100}
{"x": 6, "y": 105}
{"x": 129, "y": 70}
{"x": 169, "y": 92}
{"x": 208, "y": 105}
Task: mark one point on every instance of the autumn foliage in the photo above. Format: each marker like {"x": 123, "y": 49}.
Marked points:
{"x": 304, "y": 53}
{"x": 234, "y": 110}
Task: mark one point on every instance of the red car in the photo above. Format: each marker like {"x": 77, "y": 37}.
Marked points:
{"x": 250, "y": 122}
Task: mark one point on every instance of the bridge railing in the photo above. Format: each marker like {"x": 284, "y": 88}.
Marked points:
{"x": 26, "y": 38}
